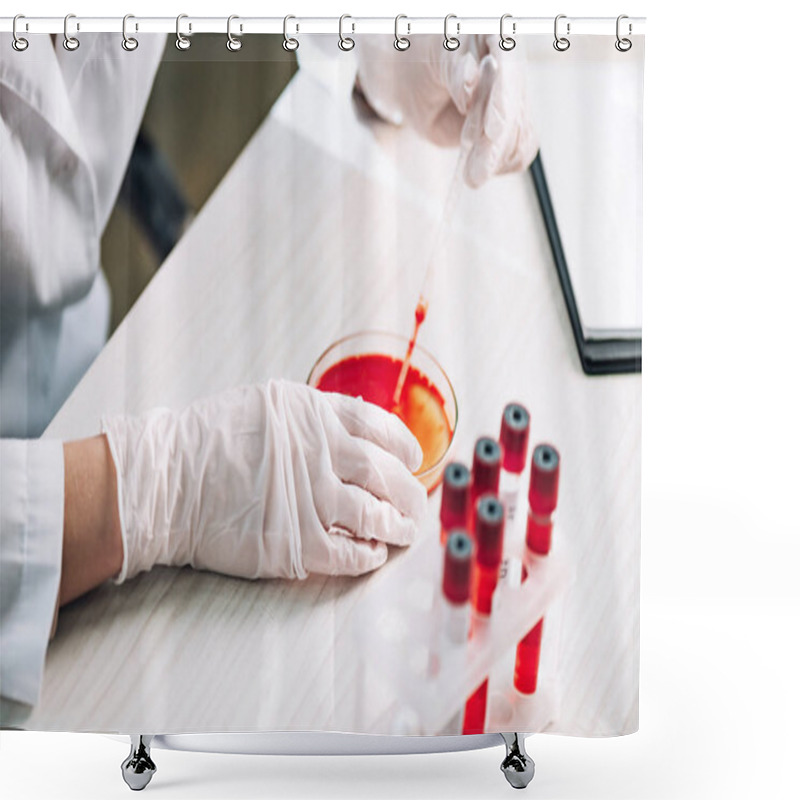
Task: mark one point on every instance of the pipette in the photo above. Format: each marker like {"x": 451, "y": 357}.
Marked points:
{"x": 470, "y": 133}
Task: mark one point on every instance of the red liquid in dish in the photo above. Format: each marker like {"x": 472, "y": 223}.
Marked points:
{"x": 421, "y": 407}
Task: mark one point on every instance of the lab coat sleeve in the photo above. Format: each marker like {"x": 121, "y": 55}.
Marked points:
{"x": 31, "y": 534}
{"x": 68, "y": 121}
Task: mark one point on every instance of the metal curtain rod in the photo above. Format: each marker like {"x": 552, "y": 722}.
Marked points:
{"x": 250, "y": 25}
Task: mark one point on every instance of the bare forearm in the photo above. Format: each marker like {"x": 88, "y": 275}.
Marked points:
{"x": 92, "y": 549}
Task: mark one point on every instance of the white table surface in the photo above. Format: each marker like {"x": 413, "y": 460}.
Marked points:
{"x": 322, "y": 227}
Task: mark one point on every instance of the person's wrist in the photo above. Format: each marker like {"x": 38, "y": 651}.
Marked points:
{"x": 92, "y": 544}
{"x": 113, "y": 541}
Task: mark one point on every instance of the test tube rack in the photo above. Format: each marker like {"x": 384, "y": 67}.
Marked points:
{"x": 423, "y": 678}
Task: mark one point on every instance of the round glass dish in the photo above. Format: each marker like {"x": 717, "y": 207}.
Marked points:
{"x": 428, "y": 404}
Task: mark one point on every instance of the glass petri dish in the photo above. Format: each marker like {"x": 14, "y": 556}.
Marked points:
{"x": 363, "y": 364}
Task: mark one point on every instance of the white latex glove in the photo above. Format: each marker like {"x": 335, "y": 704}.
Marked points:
{"x": 274, "y": 480}
{"x": 432, "y": 89}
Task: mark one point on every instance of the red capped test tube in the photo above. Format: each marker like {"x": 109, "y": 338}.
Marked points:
{"x": 514, "y": 430}
{"x": 542, "y": 499}
{"x": 486, "y": 460}
{"x": 489, "y": 524}
{"x": 457, "y": 585}
{"x": 459, "y": 553}
{"x": 455, "y": 498}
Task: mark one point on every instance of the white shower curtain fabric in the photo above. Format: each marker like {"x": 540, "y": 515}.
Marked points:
{"x": 213, "y": 263}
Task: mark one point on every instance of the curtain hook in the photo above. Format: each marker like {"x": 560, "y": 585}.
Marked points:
{"x": 451, "y": 42}
{"x": 561, "y": 43}
{"x": 19, "y": 43}
{"x": 70, "y": 43}
{"x": 345, "y": 42}
{"x": 181, "y": 41}
{"x": 234, "y": 43}
{"x": 623, "y": 44}
{"x": 507, "y": 42}
{"x": 128, "y": 42}
{"x": 289, "y": 42}
{"x": 401, "y": 42}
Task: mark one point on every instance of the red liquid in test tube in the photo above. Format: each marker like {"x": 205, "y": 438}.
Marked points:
{"x": 455, "y": 498}
{"x": 489, "y": 525}
{"x": 542, "y": 499}
{"x": 514, "y": 431}
{"x": 485, "y": 474}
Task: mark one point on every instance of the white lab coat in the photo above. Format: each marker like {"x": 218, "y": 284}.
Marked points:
{"x": 68, "y": 121}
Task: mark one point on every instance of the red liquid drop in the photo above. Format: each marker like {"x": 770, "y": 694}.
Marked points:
{"x": 421, "y": 407}
{"x": 419, "y": 313}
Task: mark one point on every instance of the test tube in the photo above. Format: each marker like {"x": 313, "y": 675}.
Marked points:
{"x": 485, "y": 473}
{"x": 457, "y": 584}
{"x": 456, "y": 591}
{"x": 455, "y": 498}
{"x": 514, "y": 430}
{"x": 489, "y": 523}
{"x": 542, "y": 500}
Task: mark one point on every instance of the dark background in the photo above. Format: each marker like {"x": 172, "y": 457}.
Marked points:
{"x": 205, "y": 105}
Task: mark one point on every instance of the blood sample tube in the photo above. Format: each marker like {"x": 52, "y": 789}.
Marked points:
{"x": 457, "y": 584}
{"x": 526, "y": 667}
{"x": 514, "y": 431}
{"x": 489, "y": 519}
{"x": 485, "y": 473}
{"x": 455, "y": 498}
{"x": 542, "y": 499}
{"x": 455, "y": 607}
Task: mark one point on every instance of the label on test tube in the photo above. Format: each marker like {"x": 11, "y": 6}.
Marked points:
{"x": 542, "y": 498}
{"x": 486, "y": 462}
{"x": 455, "y": 499}
{"x": 514, "y": 431}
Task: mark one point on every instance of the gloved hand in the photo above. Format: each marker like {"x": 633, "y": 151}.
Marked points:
{"x": 433, "y": 89}
{"x": 274, "y": 480}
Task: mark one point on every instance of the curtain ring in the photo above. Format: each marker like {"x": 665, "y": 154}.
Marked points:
{"x": 401, "y": 42}
{"x": 561, "y": 43}
{"x": 345, "y": 42}
{"x": 507, "y": 42}
{"x": 70, "y": 43}
{"x": 128, "y": 42}
{"x": 19, "y": 43}
{"x": 451, "y": 42}
{"x": 234, "y": 43}
{"x": 289, "y": 42}
{"x": 623, "y": 44}
{"x": 181, "y": 41}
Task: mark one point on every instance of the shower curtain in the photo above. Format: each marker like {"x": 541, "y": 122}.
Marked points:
{"x": 321, "y": 391}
